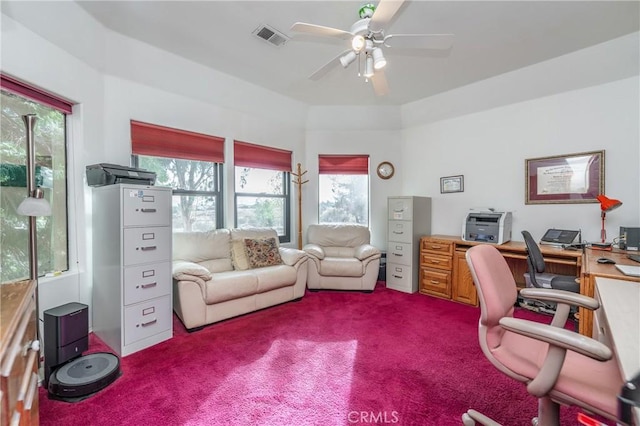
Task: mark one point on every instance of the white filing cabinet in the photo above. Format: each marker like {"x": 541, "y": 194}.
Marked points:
{"x": 409, "y": 218}
{"x": 132, "y": 288}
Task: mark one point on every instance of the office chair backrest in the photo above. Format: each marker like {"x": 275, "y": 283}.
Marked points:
{"x": 535, "y": 255}
{"x": 497, "y": 291}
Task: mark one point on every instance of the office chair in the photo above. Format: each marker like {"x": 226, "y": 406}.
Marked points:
{"x": 557, "y": 365}
{"x": 537, "y": 277}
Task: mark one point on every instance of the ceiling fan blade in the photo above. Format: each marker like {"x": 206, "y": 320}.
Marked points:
{"x": 319, "y": 30}
{"x": 379, "y": 82}
{"x": 385, "y": 11}
{"x": 327, "y": 67}
{"x": 419, "y": 41}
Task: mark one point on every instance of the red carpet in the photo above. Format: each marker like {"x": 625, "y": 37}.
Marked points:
{"x": 334, "y": 358}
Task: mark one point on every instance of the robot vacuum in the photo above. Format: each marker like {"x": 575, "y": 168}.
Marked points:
{"x": 84, "y": 376}
{"x": 69, "y": 375}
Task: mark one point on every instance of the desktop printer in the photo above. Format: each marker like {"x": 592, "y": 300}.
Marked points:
{"x": 487, "y": 225}
{"x": 109, "y": 174}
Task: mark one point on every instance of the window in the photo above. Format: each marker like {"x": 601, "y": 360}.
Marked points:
{"x": 188, "y": 162}
{"x": 343, "y": 189}
{"x": 262, "y": 188}
{"x": 18, "y": 99}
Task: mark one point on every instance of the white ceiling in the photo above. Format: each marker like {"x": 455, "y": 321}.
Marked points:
{"x": 491, "y": 38}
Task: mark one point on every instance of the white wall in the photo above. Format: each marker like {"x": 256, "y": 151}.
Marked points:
{"x": 489, "y": 147}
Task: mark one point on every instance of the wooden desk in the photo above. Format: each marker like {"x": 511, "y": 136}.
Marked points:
{"x": 444, "y": 272}
{"x": 591, "y": 270}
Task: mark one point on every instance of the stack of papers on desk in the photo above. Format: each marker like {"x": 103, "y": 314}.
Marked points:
{"x": 633, "y": 271}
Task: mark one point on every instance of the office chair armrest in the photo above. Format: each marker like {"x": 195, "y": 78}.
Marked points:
{"x": 472, "y": 416}
{"x": 559, "y": 340}
{"x": 560, "y": 296}
{"x": 560, "y": 337}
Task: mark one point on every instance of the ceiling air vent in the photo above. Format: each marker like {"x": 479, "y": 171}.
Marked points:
{"x": 271, "y": 35}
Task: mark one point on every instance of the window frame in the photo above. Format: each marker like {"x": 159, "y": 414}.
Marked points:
{"x": 345, "y": 165}
{"x": 218, "y": 193}
{"x": 15, "y": 87}
{"x": 286, "y": 196}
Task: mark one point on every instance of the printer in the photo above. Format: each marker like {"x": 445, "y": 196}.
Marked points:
{"x": 487, "y": 225}
{"x": 109, "y": 174}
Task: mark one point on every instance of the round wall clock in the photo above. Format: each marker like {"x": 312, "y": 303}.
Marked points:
{"x": 385, "y": 170}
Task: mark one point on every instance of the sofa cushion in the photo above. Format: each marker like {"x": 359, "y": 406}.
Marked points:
{"x": 200, "y": 246}
{"x": 230, "y": 285}
{"x": 273, "y": 277}
{"x": 341, "y": 267}
{"x": 338, "y": 235}
{"x": 239, "y": 256}
{"x": 262, "y": 252}
{"x": 217, "y": 265}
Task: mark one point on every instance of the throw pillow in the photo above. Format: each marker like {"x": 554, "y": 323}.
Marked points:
{"x": 238, "y": 256}
{"x": 262, "y": 252}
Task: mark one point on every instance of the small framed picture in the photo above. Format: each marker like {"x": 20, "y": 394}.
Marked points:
{"x": 451, "y": 184}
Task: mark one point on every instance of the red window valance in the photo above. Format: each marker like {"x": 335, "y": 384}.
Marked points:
{"x": 262, "y": 157}
{"x": 343, "y": 164}
{"x": 13, "y": 85}
{"x": 160, "y": 141}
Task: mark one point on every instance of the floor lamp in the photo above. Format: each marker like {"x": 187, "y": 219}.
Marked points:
{"x": 34, "y": 205}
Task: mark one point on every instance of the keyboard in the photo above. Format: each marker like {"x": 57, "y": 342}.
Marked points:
{"x": 635, "y": 257}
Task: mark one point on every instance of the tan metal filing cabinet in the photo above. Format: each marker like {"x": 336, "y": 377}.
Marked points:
{"x": 409, "y": 218}
{"x": 132, "y": 289}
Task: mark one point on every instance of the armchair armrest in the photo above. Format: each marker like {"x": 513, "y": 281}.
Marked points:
{"x": 291, "y": 256}
{"x": 314, "y": 250}
{"x": 559, "y": 340}
{"x": 366, "y": 250}
{"x": 182, "y": 269}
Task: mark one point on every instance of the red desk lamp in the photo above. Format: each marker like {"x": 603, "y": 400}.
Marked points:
{"x": 606, "y": 205}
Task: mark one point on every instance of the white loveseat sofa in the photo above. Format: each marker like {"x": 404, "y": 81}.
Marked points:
{"x": 341, "y": 258}
{"x": 229, "y": 272}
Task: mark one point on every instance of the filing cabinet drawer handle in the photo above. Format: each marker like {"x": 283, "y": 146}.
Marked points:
{"x": 149, "y": 285}
{"x": 435, "y": 247}
{"x": 396, "y": 232}
{"x": 146, "y": 324}
{"x": 398, "y": 254}
{"x": 435, "y": 282}
{"x": 148, "y": 210}
{"x": 148, "y": 248}
{"x": 398, "y": 210}
{"x": 397, "y": 276}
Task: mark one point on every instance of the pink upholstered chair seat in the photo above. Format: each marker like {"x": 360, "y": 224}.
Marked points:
{"x": 596, "y": 384}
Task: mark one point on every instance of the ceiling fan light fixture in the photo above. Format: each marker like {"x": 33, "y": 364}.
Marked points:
{"x": 358, "y": 42}
{"x": 379, "y": 60}
{"x": 348, "y": 58}
{"x": 368, "y": 67}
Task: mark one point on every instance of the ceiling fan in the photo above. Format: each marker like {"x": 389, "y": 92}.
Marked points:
{"x": 367, "y": 39}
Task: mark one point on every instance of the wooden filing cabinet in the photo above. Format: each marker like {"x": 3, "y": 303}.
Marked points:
{"x": 19, "y": 352}
{"x": 436, "y": 260}
{"x": 444, "y": 272}
{"x": 132, "y": 246}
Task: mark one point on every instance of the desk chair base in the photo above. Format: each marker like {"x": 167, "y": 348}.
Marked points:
{"x": 548, "y": 415}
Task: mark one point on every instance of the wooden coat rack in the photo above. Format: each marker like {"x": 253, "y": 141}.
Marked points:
{"x": 297, "y": 179}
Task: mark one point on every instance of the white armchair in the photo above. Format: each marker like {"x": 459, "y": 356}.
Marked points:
{"x": 341, "y": 258}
